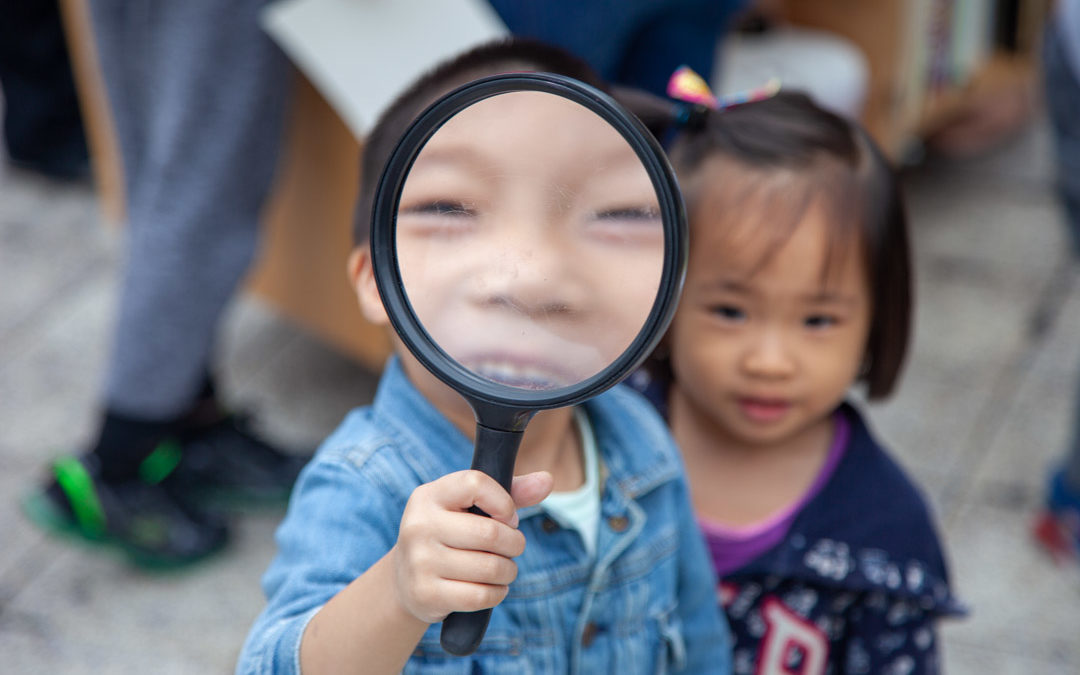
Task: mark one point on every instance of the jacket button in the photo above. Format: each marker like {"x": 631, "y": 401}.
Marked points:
{"x": 549, "y": 525}
{"x": 589, "y": 634}
{"x": 618, "y": 523}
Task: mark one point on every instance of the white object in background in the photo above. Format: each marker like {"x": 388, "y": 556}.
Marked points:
{"x": 360, "y": 54}
{"x": 830, "y": 69}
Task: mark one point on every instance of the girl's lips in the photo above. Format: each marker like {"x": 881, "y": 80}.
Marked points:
{"x": 764, "y": 409}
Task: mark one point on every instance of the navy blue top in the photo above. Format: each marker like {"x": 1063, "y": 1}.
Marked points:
{"x": 858, "y": 583}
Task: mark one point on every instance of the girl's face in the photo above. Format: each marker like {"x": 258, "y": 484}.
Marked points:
{"x": 764, "y": 351}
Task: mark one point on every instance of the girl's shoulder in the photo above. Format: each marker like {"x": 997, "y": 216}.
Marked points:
{"x": 869, "y": 529}
{"x": 872, "y": 483}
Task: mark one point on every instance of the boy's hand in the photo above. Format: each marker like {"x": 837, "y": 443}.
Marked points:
{"x": 449, "y": 560}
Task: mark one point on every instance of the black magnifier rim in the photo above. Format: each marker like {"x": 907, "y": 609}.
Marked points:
{"x": 481, "y": 392}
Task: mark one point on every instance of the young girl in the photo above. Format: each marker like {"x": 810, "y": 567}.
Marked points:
{"x": 379, "y": 544}
{"x": 798, "y": 287}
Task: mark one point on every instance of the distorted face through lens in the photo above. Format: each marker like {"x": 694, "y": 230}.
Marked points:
{"x": 530, "y": 241}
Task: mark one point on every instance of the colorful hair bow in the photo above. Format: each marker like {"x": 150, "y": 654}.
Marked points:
{"x": 686, "y": 85}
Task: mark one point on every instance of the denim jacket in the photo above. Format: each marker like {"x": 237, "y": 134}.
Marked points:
{"x": 645, "y": 604}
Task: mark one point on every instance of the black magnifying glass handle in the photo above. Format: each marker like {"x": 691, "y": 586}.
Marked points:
{"x": 495, "y": 454}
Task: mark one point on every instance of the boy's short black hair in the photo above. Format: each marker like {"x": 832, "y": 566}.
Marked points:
{"x": 493, "y": 58}
{"x": 825, "y": 160}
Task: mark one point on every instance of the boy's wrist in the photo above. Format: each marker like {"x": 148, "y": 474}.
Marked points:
{"x": 364, "y": 623}
{"x": 398, "y": 609}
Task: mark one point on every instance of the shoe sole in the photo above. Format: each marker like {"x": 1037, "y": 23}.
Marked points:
{"x": 42, "y": 513}
{"x": 240, "y": 501}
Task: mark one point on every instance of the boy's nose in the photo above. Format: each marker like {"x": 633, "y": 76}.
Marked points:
{"x": 768, "y": 356}
{"x": 532, "y": 274}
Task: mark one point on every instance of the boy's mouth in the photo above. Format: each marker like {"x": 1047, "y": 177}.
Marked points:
{"x": 518, "y": 373}
{"x": 763, "y": 409}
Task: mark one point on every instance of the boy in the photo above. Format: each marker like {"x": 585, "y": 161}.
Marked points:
{"x": 378, "y": 546}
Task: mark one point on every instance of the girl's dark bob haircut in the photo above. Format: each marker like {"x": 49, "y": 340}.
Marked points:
{"x": 788, "y": 154}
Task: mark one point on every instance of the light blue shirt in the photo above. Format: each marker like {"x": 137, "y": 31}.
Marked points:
{"x": 646, "y": 603}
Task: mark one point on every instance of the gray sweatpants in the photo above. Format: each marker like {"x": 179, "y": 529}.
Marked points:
{"x": 198, "y": 94}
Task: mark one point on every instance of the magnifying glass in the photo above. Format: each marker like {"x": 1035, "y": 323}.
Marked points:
{"x": 529, "y": 245}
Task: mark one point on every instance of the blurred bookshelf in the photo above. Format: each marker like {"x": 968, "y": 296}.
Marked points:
{"x": 933, "y": 62}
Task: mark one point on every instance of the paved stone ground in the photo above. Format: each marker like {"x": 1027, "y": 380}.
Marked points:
{"x": 983, "y": 410}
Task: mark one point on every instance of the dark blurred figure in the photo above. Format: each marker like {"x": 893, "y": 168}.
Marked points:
{"x": 1059, "y": 527}
{"x": 198, "y": 96}
{"x": 637, "y": 43}
{"x": 43, "y": 130}
{"x": 1061, "y": 64}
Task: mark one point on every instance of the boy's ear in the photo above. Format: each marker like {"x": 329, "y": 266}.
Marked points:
{"x": 362, "y": 278}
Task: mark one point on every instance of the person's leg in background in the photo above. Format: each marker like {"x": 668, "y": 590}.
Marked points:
{"x": 1059, "y": 528}
{"x": 198, "y": 94}
{"x": 43, "y": 129}
{"x": 206, "y": 168}
{"x": 637, "y": 43}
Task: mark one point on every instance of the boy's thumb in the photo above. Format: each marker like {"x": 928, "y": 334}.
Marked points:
{"x": 531, "y": 488}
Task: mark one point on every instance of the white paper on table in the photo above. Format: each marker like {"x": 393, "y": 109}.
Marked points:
{"x": 360, "y": 54}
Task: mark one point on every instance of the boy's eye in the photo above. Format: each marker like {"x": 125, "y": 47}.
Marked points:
{"x": 729, "y": 313}
{"x": 819, "y": 321}
{"x": 440, "y": 207}
{"x": 625, "y": 224}
{"x": 438, "y": 218}
{"x": 632, "y": 215}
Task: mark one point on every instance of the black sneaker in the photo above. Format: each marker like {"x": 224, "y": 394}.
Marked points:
{"x": 144, "y": 517}
{"x": 225, "y": 464}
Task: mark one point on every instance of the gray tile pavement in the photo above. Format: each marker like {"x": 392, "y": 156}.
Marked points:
{"x": 983, "y": 408}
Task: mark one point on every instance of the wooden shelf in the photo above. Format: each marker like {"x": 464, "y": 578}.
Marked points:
{"x": 902, "y": 106}
{"x": 1002, "y": 76}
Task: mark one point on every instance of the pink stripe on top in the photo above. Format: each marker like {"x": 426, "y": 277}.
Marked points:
{"x": 733, "y": 547}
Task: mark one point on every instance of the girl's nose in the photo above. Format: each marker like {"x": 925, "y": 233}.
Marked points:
{"x": 768, "y": 356}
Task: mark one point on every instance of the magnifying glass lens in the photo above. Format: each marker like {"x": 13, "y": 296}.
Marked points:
{"x": 529, "y": 241}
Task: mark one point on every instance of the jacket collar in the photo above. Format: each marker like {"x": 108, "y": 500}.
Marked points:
{"x": 635, "y": 448}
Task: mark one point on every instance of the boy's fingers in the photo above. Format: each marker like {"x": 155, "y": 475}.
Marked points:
{"x": 470, "y": 532}
{"x": 476, "y": 567}
{"x": 464, "y": 489}
{"x": 464, "y": 596}
{"x": 531, "y": 488}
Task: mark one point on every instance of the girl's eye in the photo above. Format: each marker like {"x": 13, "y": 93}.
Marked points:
{"x": 729, "y": 313}
{"x": 819, "y": 321}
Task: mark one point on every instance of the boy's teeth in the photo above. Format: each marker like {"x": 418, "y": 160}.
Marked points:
{"x": 515, "y": 375}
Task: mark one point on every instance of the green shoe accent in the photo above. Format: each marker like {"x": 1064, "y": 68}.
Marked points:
{"x": 40, "y": 511}
{"x": 77, "y": 484}
{"x": 161, "y": 462}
